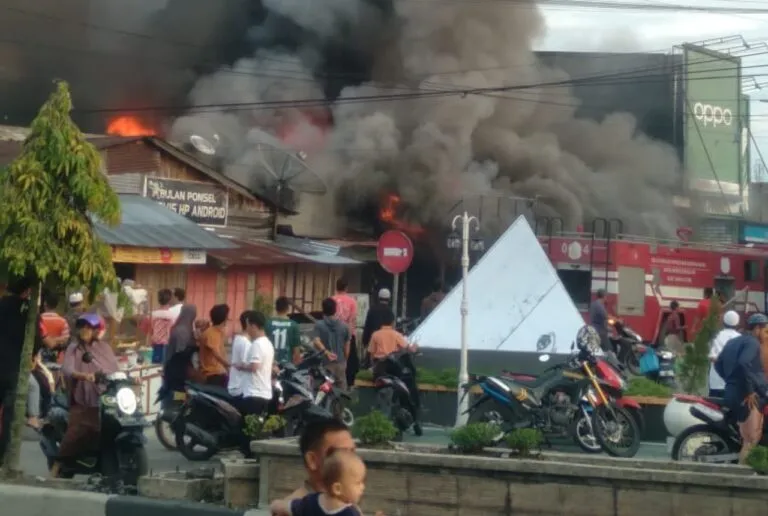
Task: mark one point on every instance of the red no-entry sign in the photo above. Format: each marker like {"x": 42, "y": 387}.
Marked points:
{"x": 395, "y": 252}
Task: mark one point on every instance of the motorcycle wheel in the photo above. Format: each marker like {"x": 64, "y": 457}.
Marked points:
{"x": 165, "y": 434}
{"x": 137, "y": 465}
{"x": 491, "y": 412}
{"x": 342, "y": 413}
{"x": 583, "y": 436}
{"x": 632, "y": 363}
{"x": 716, "y": 442}
{"x": 187, "y": 447}
{"x": 387, "y": 405}
{"x": 612, "y": 427}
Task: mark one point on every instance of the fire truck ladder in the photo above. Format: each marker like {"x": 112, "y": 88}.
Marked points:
{"x": 545, "y": 226}
{"x": 604, "y": 229}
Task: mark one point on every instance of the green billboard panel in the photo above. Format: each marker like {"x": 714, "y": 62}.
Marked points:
{"x": 713, "y": 136}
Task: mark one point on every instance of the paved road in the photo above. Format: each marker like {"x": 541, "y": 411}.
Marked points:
{"x": 33, "y": 462}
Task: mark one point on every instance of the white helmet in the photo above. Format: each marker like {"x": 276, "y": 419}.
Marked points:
{"x": 731, "y": 319}
{"x": 588, "y": 338}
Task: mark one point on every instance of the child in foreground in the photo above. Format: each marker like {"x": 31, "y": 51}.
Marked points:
{"x": 344, "y": 483}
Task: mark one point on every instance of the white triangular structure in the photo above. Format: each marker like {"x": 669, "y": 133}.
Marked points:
{"x": 516, "y": 300}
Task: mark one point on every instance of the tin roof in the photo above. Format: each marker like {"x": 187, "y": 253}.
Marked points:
{"x": 146, "y": 223}
{"x": 255, "y": 254}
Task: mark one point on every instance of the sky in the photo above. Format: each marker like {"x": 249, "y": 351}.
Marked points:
{"x": 622, "y": 30}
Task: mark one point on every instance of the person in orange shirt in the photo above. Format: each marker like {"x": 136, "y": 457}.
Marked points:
{"x": 56, "y": 327}
{"x": 384, "y": 342}
{"x": 213, "y": 361}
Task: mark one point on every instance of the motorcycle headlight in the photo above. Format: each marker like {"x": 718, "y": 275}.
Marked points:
{"x": 667, "y": 355}
{"x": 126, "y": 401}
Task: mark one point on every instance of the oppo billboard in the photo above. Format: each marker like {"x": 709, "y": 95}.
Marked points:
{"x": 712, "y": 129}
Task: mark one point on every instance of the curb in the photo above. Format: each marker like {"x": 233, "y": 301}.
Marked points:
{"x": 20, "y": 500}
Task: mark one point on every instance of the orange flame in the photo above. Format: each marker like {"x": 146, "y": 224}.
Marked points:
{"x": 388, "y": 215}
{"x": 129, "y": 126}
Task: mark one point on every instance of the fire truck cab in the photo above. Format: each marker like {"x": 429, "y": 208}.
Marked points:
{"x": 642, "y": 276}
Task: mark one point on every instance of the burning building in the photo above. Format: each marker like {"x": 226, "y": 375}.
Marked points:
{"x": 364, "y": 88}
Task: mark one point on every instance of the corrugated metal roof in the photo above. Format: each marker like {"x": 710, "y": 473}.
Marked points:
{"x": 314, "y": 251}
{"x": 145, "y": 223}
{"x": 327, "y": 259}
{"x": 256, "y": 254}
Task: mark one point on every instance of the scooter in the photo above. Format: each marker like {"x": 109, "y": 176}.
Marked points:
{"x": 715, "y": 436}
{"x": 629, "y": 348}
{"x": 396, "y": 397}
{"x": 121, "y": 452}
{"x": 209, "y": 417}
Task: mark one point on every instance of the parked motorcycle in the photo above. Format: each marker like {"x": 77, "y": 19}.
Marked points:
{"x": 121, "y": 449}
{"x": 563, "y": 417}
{"x": 396, "y": 394}
{"x": 210, "y": 420}
{"x": 716, "y": 439}
{"x": 322, "y": 382}
{"x": 567, "y": 395}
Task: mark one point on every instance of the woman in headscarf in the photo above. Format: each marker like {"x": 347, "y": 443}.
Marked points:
{"x": 183, "y": 332}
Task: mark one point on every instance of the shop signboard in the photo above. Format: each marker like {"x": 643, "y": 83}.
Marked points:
{"x": 154, "y": 255}
{"x": 713, "y": 122}
{"x": 202, "y": 203}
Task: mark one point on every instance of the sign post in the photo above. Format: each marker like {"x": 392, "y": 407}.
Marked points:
{"x": 395, "y": 254}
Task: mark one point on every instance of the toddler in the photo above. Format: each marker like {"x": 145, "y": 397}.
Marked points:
{"x": 343, "y": 478}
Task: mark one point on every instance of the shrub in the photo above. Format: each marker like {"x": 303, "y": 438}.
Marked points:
{"x": 256, "y": 427}
{"x": 473, "y": 437}
{"x": 695, "y": 365}
{"x": 641, "y": 386}
{"x": 374, "y": 429}
{"x": 525, "y": 440}
{"x": 758, "y": 459}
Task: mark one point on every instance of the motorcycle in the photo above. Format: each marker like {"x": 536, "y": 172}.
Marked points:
{"x": 121, "y": 452}
{"x": 172, "y": 395}
{"x": 209, "y": 417}
{"x": 716, "y": 439}
{"x": 566, "y": 395}
{"x": 396, "y": 393}
{"x": 326, "y": 394}
{"x": 581, "y": 429}
{"x": 629, "y": 347}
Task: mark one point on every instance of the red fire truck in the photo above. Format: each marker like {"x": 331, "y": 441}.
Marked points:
{"x": 642, "y": 276}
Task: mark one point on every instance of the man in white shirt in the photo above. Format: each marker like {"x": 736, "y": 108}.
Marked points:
{"x": 253, "y": 358}
{"x": 730, "y": 323}
{"x": 179, "y": 295}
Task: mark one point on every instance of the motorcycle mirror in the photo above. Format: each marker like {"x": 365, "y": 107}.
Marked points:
{"x": 543, "y": 358}
{"x": 87, "y": 357}
{"x": 573, "y": 346}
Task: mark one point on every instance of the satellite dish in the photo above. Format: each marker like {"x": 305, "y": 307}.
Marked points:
{"x": 203, "y": 145}
{"x": 286, "y": 168}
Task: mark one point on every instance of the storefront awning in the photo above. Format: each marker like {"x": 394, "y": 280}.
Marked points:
{"x": 147, "y": 224}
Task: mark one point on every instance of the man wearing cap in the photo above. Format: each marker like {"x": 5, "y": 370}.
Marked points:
{"x": 76, "y": 309}
{"x": 376, "y": 315}
{"x": 730, "y": 323}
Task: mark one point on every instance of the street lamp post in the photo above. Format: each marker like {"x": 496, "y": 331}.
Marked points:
{"x": 463, "y": 242}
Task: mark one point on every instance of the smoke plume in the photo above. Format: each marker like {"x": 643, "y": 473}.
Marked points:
{"x": 435, "y": 151}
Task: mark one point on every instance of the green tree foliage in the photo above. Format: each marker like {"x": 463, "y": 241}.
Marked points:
{"x": 48, "y": 195}
{"x": 695, "y": 365}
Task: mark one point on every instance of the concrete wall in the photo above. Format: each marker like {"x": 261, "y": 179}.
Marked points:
{"x": 427, "y": 484}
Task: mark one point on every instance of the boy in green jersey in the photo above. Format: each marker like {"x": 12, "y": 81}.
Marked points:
{"x": 284, "y": 333}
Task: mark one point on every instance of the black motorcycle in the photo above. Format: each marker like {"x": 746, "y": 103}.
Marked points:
{"x": 209, "y": 420}
{"x": 565, "y": 397}
{"x": 172, "y": 395}
{"x": 629, "y": 348}
{"x": 322, "y": 382}
{"x": 396, "y": 391}
{"x": 121, "y": 452}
